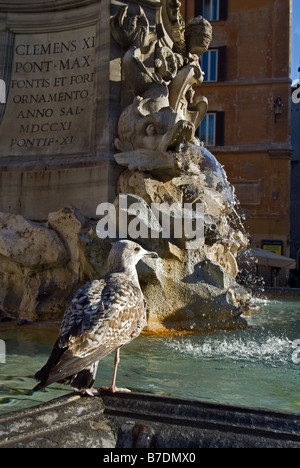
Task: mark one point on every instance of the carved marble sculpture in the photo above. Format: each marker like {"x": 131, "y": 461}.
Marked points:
{"x": 164, "y": 112}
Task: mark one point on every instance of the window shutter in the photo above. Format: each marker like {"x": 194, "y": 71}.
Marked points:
{"x": 222, "y": 64}
{"x": 198, "y": 8}
{"x": 223, "y": 10}
{"x": 220, "y": 128}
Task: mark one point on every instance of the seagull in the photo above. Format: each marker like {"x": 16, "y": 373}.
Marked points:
{"x": 104, "y": 315}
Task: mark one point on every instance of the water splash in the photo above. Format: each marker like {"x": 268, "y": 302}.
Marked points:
{"x": 270, "y": 348}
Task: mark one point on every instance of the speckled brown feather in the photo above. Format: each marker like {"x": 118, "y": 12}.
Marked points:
{"x": 110, "y": 316}
{"x": 96, "y": 303}
{"x": 104, "y": 315}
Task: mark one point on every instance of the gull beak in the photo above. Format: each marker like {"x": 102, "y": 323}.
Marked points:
{"x": 151, "y": 255}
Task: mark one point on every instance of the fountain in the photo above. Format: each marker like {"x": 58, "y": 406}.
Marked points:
{"x": 194, "y": 300}
{"x": 194, "y": 287}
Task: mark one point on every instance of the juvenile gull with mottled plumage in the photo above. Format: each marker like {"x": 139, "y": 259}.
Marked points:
{"x": 104, "y": 315}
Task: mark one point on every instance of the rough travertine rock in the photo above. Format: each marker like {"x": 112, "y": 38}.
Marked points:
{"x": 190, "y": 288}
{"x": 28, "y": 243}
{"x": 183, "y": 289}
{"x": 42, "y": 263}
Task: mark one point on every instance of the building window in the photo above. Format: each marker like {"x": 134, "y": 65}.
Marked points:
{"x": 212, "y": 10}
{"x": 211, "y": 130}
{"x": 213, "y": 64}
{"x": 209, "y": 65}
{"x": 207, "y": 130}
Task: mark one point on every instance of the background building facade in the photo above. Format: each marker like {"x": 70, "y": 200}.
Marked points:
{"x": 247, "y": 127}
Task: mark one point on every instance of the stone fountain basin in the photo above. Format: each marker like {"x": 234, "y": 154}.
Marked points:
{"x": 146, "y": 421}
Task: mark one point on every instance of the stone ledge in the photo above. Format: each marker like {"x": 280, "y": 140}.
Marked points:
{"x": 146, "y": 421}
{"x": 66, "y": 422}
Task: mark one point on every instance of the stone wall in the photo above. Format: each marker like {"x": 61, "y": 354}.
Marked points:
{"x": 42, "y": 264}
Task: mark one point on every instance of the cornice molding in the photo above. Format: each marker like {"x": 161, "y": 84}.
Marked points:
{"x": 38, "y": 6}
{"x": 40, "y": 22}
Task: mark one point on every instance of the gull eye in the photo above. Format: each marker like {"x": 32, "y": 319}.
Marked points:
{"x": 137, "y": 249}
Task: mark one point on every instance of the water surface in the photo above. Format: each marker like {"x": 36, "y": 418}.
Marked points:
{"x": 252, "y": 367}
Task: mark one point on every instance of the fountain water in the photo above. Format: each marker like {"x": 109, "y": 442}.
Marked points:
{"x": 256, "y": 367}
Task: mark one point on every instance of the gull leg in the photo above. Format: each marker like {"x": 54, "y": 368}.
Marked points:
{"x": 113, "y": 388}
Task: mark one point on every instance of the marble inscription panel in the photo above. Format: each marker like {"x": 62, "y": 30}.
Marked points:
{"x": 49, "y": 108}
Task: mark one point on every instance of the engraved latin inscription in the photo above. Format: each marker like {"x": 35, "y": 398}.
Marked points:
{"x": 49, "y": 107}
